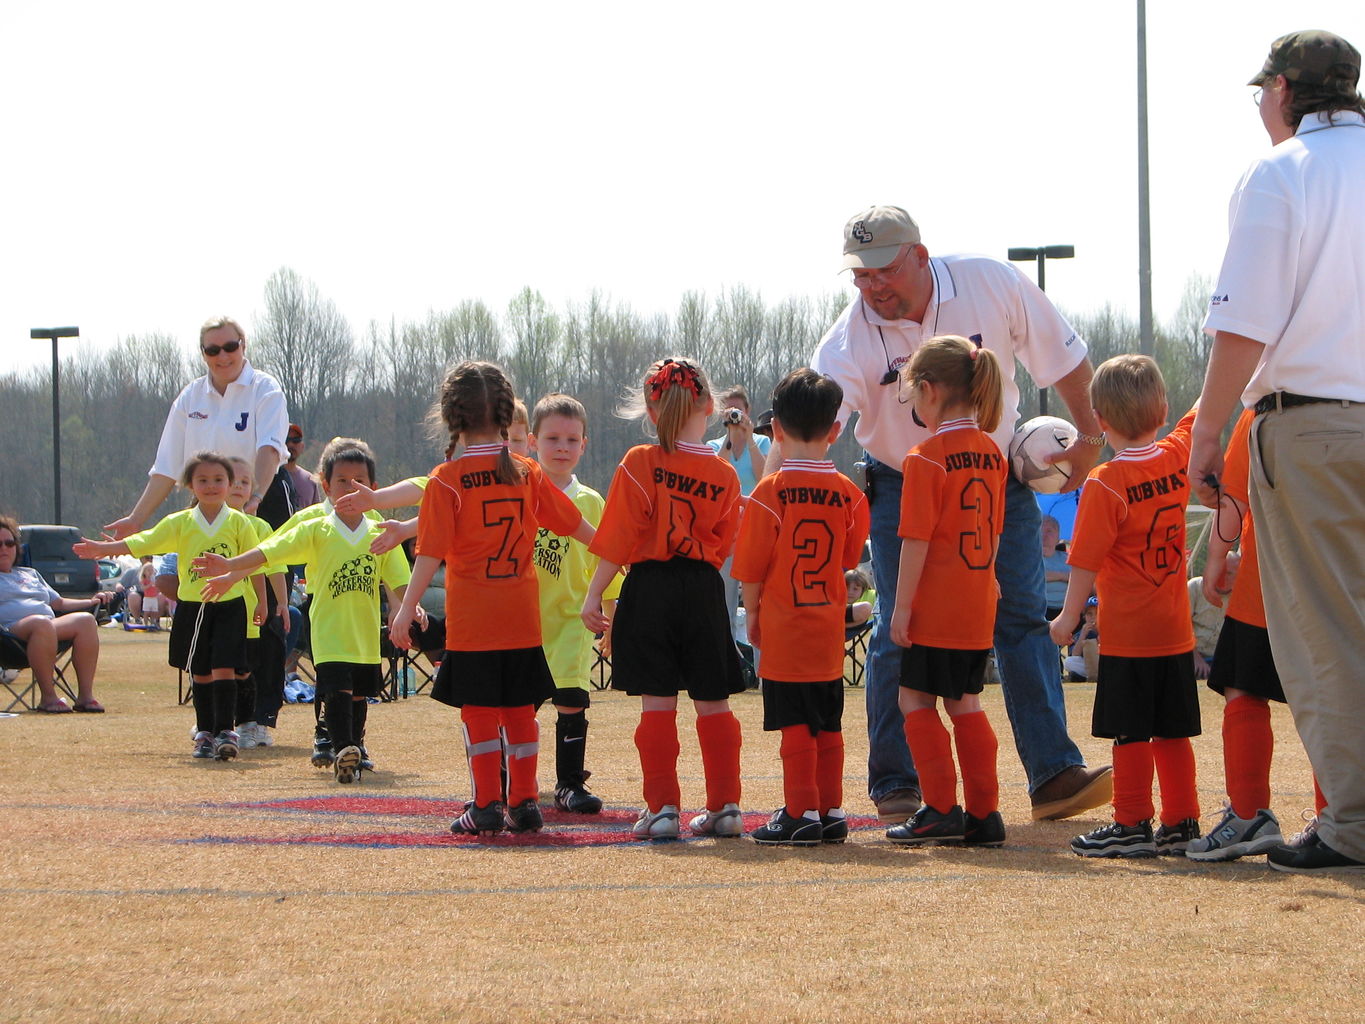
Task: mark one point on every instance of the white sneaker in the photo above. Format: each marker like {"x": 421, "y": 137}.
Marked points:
{"x": 1235, "y": 837}
{"x": 264, "y": 738}
{"x": 660, "y": 824}
{"x": 246, "y": 736}
{"x": 727, "y": 823}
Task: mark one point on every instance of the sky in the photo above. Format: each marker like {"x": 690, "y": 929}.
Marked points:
{"x": 166, "y": 158}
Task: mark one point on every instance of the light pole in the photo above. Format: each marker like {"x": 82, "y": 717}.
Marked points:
{"x": 1042, "y": 254}
{"x": 56, "y": 334}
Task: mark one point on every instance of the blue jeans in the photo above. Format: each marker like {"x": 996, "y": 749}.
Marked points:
{"x": 1030, "y": 670}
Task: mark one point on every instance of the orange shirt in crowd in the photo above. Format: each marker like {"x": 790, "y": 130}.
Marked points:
{"x": 802, "y": 527}
{"x": 1130, "y": 530}
{"x": 485, "y": 532}
{"x": 954, "y": 498}
{"x": 1245, "y": 604}
{"x": 662, "y": 505}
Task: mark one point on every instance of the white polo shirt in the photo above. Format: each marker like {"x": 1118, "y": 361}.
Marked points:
{"x": 250, "y": 414}
{"x": 983, "y": 299}
{"x": 1293, "y": 277}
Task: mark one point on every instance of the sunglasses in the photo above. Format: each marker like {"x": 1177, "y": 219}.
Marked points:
{"x": 294, "y": 440}
{"x": 227, "y": 346}
{"x": 9, "y": 542}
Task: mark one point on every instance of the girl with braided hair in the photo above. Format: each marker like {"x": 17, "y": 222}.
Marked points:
{"x": 479, "y": 515}
{"x": 672, "y": 514}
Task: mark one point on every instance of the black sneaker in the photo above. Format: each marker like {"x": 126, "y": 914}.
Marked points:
{"x": 488, "y": 820}
{"x": 203, "y": 745}
{"x": 323, "y": 754}
{"x": 366, "y": 765}
{"x": 834, "y": 826}
{"x": 1115, "y": 840}
{"x": 577, "y": 799}
{"x": 987, "y": 831}
{"x": 1171, "y": 840}
{"x": 1317, "y": 856}
{"x": 225, "y": 745}
{"x": 525, "y": 817}
{"x": 930, "y": 826}
{"x": 784, "y": 830}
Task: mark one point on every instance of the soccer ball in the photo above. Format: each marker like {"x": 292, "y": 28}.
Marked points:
{"x": 1032, "y": 443}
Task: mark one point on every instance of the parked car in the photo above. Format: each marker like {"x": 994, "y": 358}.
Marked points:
{"x": 110, "y": 574}
{"x": 49, "y": 550}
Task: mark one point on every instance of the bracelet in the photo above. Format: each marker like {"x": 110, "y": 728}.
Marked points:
{"x": 1096, "y": 439}
{"x": 256, "y": 496}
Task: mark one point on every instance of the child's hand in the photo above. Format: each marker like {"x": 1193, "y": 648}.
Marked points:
{"x": 604, "y": 645}
{"x": 359, "y": 500}
{"x": 900, "y": 626}
{"x": 216, "y": 586}
{"x": 751, "y": 627}
{"x": 400, "y": 625}
{"x": 210, "y": 563}
{"x": 258, "y": 616}
{"x": 389, "y": 535}
{"x": 592, "y": 616}
{"x": 283, "y": 612}
{"x": 1062, "y": 628}
{"x": 84, "y": 548}
{"x": 120, "y": 528}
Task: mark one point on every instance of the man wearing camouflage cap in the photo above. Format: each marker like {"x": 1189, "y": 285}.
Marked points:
{"x": 1289, "y": 336}
{"x": 905, "y": 297}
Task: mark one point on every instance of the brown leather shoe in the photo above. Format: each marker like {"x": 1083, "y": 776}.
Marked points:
{"x": 898, "y": 806}
{"x": 1074, "y": 789}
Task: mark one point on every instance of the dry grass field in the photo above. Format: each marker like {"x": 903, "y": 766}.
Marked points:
{"x": 140, "y": 885}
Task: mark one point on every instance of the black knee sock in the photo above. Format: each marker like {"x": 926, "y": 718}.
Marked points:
{"x": 203, "y": 707}
{"x": 339, "y": 721}
{"x": 571, "y": 732}
{"x": 319, "y": 726}
{"x": 360, "y": 711}
{"x": 246, "y": 700}
{"x": 224, "y": 704}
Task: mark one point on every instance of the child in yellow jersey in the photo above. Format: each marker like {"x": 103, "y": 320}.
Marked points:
{"x": 345, "y": 578}
{"x": 207, "y": 639}
{"x": 559, "y": 436}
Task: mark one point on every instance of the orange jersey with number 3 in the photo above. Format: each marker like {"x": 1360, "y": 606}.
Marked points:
{"x": 662, "y": 505}
{"x": 802, "y": 527}
{"x": 1246, "y": 603}
{"x": 954, "y": 498}
{"x": 485, "y": 532}
{"x": 1130, "y": 530}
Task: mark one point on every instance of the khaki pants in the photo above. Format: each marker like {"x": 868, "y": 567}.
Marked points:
{"x": 1308, "y": 500}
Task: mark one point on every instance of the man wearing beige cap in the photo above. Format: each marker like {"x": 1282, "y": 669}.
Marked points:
{"x": 1289, "y": 337}
{"x": 905, "y": 297}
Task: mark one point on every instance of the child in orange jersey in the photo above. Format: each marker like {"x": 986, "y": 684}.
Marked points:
{"x": 952, "y": 512}
{"x": 479, "y": 515}
{"x": 803, "y": 526}
{"x": 1129, "y": 544}
{"x": 671, "y": 515}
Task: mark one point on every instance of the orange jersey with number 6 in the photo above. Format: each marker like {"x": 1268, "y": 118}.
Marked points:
{"x": 485, "y": 532}
{"x": 1130, "y": 530}
{"x": 954, "y": 498}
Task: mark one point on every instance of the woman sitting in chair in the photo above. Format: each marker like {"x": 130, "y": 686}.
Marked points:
{"x": 42, "y": 620}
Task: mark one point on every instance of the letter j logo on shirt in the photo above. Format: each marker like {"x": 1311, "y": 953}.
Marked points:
{"x": 241, "y": 424}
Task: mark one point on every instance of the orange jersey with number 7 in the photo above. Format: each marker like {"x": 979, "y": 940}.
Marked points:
{"x": 1130, "y": 531}
{"x": 485, "y": 532}
{"x": 954, "y": 498}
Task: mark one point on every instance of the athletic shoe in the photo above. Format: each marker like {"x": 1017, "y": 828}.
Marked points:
{"x": 525, "y": 817}
{"x": 725, "y": 823}
{"x": 660, "y": 824}
{"x": 264, "y": 737}
{"x": 347, "y": 764}
{"x": 987, "y": 831}
{"x": 366, "y": 763}
{"x": 246, "y": 736}
{"x": 834, "y": 826}
{"x": 929, "y": 826}
{"x": 1172, "y": 840}
{"x": 225, "y": 745}
{"x": 203, "y": 745}
{"x": 784, "y": 830}
{"x": 1117, "y": 840}
{"x": 1311, "y": 859}
{"x": 322, "y": 751}
{"x": 1235, "y": 837}
{"x": 577, "y": 799}
{"x": 1309, "y": 835}
{"x": 487, "y": 820}
{"x": 194, "y": 733}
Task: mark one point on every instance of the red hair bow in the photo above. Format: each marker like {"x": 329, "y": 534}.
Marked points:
{"x": 674, "y": 374}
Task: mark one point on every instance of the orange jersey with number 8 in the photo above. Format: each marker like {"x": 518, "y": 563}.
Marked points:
{"x": 485, "y": 532}
{"x": 1130, "y": 530}
{"x": 954, "y": 498}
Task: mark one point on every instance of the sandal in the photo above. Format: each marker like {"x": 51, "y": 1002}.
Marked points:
{"x": 56, "y": 707}
{"x": 90, "y": 707}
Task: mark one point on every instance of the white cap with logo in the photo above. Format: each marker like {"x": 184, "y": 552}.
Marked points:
{"x": 872, "y": 238}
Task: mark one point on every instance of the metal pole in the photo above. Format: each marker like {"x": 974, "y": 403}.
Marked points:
{"x": 1146, "y": 339}
{"x": 56, "y": 436}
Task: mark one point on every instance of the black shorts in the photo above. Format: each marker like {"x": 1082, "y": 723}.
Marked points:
{"x": 361, "y": 680}
{"x": 817, "y": 706}
{"x": 1142, "y": 698}
{"x": 218, "y": 638}
{"x": 943, "y": 672}
{"x": 494, "y": 679}
{"x": 1243, "y": 661}
{"x": 571, "y": 697}
{"x": 672, "y": 633}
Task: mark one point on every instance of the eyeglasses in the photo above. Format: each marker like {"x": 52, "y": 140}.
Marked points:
{"x": 227, "y": 346}
{"x": 1256, "y": 97}
{"x": 864, "y": 278}
{"x": 9, "y": 542}
{"x": 294, "y": 440}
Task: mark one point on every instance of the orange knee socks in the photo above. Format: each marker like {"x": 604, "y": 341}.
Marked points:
{"x": 522, "y": 733}
{"x": 829, "y": 770}
{"x": 1248, "y": 744}
{"x": 932, "y": 750}
{"x": 720, "y": 740}
{"x": 1175, "y": 774}
{"x": 800, "y": 760}
{"x": 656, "y": 738}
{"x": 483, "y": 748}
{"x": 1133, "y": 766}
{"x": 976, "y": 752}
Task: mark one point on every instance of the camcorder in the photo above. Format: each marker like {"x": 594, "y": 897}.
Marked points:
{"x": 730, "y": 417}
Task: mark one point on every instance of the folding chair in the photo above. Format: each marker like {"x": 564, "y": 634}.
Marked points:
{"x": 600, "y": 676}
{"x": 855, "y": 651}
{"x": 14, "y": 657}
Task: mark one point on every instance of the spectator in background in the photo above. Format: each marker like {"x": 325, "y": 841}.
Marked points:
{"x": 746, "y": 450}
{"x": 1207, "y": 620}
{"x": 1055, "y": 570}
{"x": 306, "y": 488}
